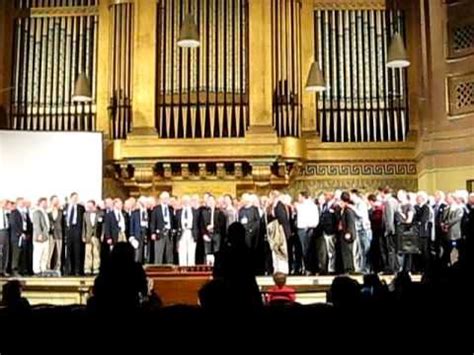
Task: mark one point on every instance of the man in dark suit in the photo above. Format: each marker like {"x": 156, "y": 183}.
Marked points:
{"x": 438, "y": 210}
{"x": 73, "y": 213}
{"x": 18, "y": 235}
{"x": 424, "y": 218}
{"x": 114, "y": 224}
{"x": 139, "y": 226}
{"x": 128, "y": 207}
{"x": 329, "y": 220}
{"x": 249, "y": 217}
{"x": 4, "y": 237}
{"x": 162, "y": 227}
{"x": 187, "y": 219}
{"x": 348, "y": 233}
{"x": 212, "y": 226}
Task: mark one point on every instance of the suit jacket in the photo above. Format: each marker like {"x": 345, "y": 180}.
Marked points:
{"x": 452, "y": 220}
{"x": 136, "y": 229}
{"x": 424, "y": 218}
{"x": 157, "y": 222}
{"x": 252, "y": 227}
{"x": 194, "y": 227}
{"x": 283, "y": 217}
{"x": 40, "y": 226}
{"x": 89, "y": 230}
{"x": 79, "y": 218}
{"x": 438, "y": 213}
{"x": 56, "y": 224}
{"x": 17, "y": 226}
{"x": 111, "y": 226}
{"x": 330, "y": 217}
{"x": 390, "y": 208}
{"x": 128, "y": 223}
{"x": 348, "y": 221}
{"x": 219, "y": 221}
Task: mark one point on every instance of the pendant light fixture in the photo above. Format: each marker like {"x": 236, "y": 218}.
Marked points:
{"x": 315, "y": 81}
{"x": 188, "y": 34}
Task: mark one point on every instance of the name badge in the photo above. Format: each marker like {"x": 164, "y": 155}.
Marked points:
{"x": 244, "y": 220}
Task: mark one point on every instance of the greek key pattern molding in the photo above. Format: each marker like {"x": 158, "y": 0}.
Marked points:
{"x": 359, "y": 169}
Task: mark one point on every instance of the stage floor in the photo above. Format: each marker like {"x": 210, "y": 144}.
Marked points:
{"x": 174, "y": 288}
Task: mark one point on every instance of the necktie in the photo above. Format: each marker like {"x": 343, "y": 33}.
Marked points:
{"x": 185, "y": 213}
{"x": 72, "y": 215}
{"x": 166, "y": 212}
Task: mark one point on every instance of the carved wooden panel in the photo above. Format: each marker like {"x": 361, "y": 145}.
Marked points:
{"x": 460, "y": 28}
{"x": 461, "y": 38}
{"x": 461, "y": 94}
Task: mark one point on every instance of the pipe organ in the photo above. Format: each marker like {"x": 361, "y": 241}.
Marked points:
{"x": 50, "y": 49}
{"x": 365, "y": 101}
{"x": 234, "y": 112}
{"x": 286, "y": 67}
{"x": 121, "y": 66}
{"x": 202, "y": 93}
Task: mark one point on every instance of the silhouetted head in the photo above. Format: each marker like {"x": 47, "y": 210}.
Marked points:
{"x": 11, "y": 292}
{"x": 214, "y": 295}
{"x": 344, "y": 291}
{"x": 402, "y": 280}
{"x": 236, "y": 234}
{"x": 122, "y": 254}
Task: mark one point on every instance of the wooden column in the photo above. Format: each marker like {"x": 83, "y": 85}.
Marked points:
{"x": 308, "y": 56}
{"x": 260, "y": 66}
{"x": 103, "y": 72}
{"x": 144, "y": 68}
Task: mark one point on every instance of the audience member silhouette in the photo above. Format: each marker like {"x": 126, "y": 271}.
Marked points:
{"x": 344, "y": 292}
{"x": 121, "y": 284}
{"x": 12, "y": 299}
{"x": 215, "y": 296}
{"x": 235, "y": 266}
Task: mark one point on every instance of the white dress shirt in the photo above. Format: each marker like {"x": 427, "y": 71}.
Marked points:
{"x": 120, "y": 220}
{"x": 187, "y": 218}
{"x": 166, "y": 216}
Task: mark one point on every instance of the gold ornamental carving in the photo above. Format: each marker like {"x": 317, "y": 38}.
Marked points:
{"x": 64, "y": 11}
{"x": 144, "y": 173}
{"x": 349, "y": 5}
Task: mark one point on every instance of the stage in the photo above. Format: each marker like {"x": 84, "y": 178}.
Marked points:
{"x": 175, "y": 285}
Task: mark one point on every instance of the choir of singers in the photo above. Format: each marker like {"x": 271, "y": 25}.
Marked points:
{"x": 334, "y": 232}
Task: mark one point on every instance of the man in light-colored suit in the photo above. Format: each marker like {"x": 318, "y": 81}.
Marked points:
{"x": 41, "y": 230}
{"x": 451, "y": 225}
{"x": 91, "y": 239}
{"x": 56, "y": 239}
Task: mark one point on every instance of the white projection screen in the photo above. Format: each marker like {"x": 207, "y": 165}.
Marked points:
{"x": 42, "y": 164}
